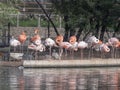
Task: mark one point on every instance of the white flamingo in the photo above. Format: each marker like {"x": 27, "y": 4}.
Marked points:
{"x": 82, "y": 45}
{"x": 50, "y": 42}
{"x": 14, "y": 43}
{"x": 92, "y": 40}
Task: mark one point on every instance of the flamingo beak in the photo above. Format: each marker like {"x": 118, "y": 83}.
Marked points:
{"x": 100, "y": 42}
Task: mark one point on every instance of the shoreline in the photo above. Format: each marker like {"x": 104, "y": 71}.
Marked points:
{"x": 62, "y": 63}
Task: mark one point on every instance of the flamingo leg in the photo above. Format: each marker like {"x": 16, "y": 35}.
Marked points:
{"x": 50, "y": 50}
{"x": 89, "y": 55}
{"x": 81, "y": 53}
{"x": 35, "y": 55}
{"x": 72, "y": 54}
{"x": 66, "y": 52}
{"x": 14, "y": 49}
{"x": 60, "y": 53}
{"x": 22, "y": 48}
{"x": 115, "y": 53}
{"x": 112, "y": 52}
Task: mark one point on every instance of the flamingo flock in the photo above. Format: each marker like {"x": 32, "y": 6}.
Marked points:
{"x": 36, "y": 44}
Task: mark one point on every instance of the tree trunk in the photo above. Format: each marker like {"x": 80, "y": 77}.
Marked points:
{"x": 66, "y": 35}
{"x": 79, "y": 33}
{"x": 72, "y": 32}
{"x": 102, "y": 32}
{"x": 67, "y": 28}
{"x": 104, "y": 23}
{"x": 97, "y": 29}
{"x": 117, "y": 29}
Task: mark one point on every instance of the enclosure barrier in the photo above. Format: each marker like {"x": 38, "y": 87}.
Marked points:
{"x": 71, "y": 63}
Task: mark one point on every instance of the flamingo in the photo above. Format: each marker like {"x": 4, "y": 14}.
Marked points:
{"x": 103, "y": 48}
{"x": 36, "y": 36}
{"x": 40, "y": 47}
{"x": 36, "y": 48}
{"x": 114, "y": 43}
{"x": 61, "y": 44}
{"x": 36, "y": 44}
{"x": 74, "y": 43}
{"x": 22, "y": 38}
{"x": 36, "y": 31}
{"x": 82, "y": 45}
{"x": 50, "y": 42}
{"x": 14, "y": 43}
{"x": 92, "y": 40}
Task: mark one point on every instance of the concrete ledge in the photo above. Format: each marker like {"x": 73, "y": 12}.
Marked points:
{"x": 71, "y": 63}
{"x": 11, "y": 63}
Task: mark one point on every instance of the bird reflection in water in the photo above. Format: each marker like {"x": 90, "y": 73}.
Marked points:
{"x": 72, "y": 80}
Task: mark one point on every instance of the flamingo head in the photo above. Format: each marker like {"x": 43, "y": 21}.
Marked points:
{"x": 59, "y": 39}
{"x": 72, "y": 39}
{"x": 36, "y": 37}
{"x": 105, "y": 48}
{"x": 93, "y": 40}
{"x": 36, "y": 31}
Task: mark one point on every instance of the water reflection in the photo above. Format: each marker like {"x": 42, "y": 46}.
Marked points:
{"x": 59, "y": 79}
{"x": 72, "y": 79}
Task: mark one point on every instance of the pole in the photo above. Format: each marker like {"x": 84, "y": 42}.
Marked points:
{"x": 47, "y": 16}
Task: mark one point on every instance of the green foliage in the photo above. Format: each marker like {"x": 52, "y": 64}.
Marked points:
{"x": 94, "y": 14}
{"x": 5, "y": 10}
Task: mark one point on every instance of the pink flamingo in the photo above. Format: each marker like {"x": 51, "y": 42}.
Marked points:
{"x": 37, "y": 47}
{"x": 36, "y": 44}
{"x": 103, "y": 48}
{"x": 114, "y": 43}
{"x": 22, "y": 38}
{"x": 62, "y": 45}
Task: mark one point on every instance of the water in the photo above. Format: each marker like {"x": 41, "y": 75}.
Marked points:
{"x": 14, "y": 78}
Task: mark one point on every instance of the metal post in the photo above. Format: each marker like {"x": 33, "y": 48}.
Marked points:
{"x": 60, "y": 23}
{"x": 17, "y": 20}
{"x": 39, "y": 22}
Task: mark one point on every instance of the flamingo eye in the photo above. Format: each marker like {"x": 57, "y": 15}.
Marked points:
{"x": 97, "y": 40}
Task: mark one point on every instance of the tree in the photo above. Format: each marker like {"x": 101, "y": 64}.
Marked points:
{"x": 99, "y": 16}
{"x": 7, "y": 8}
